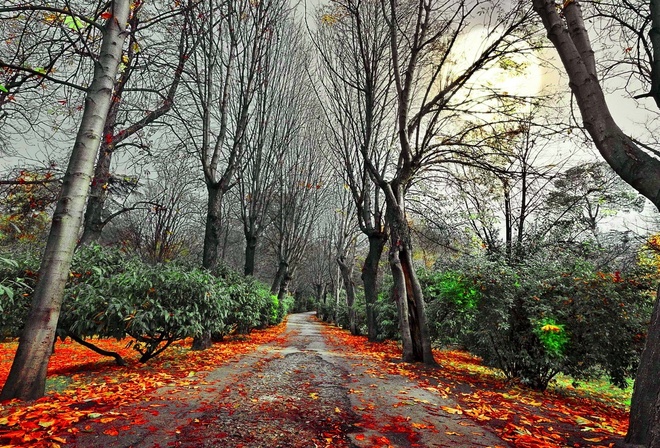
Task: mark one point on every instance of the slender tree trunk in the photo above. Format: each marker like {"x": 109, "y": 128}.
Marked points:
{"x": 93, "y": 221}
{"x": 347, "y": 276}
{"x": 27, "y": 377}
{"x": 401, "y": 299}
{"x": 211, "y": 254}
{"x": 377, "y": 242}
{"x": 213, "y": 231}
{"x": 644, "y": 429}
{"x": 250, "y": 252}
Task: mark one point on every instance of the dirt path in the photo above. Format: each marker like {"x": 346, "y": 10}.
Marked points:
{"x": 299, "y": 392}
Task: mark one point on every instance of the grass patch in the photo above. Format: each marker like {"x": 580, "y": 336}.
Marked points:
{"x": 597, "y": 389}
{"x": 58, "y": 383}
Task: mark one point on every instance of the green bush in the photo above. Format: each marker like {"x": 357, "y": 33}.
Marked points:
{"x": 451, "y": 304}
{"x": 387, "y": 317}
{"x": 112, "y": 294}
{"x": 549, "y": 315}
{"x": 17, "y": 280}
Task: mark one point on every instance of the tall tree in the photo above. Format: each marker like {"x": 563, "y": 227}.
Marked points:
{"x": 150, "y": 73}
{"x": 231, "y": 41}
{"x": 432, "y": 102}
{"x": 27, "y": 377}
{"x": 635, "y": 163}
{"x": 302, "y": 179}
{"x": 352, "y": 40}
{"x": 279, "y": 103}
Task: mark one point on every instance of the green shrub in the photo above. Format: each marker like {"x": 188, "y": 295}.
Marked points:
{"x": 451, "y": 304}
{"x": 113, "y": 294}
{"x": 387, "y": 317}
{"x": 549, "y": 315}
{"x": 17, "y": 279}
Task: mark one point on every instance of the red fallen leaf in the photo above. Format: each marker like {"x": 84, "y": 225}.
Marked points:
{"x": 359, "y": 437}
{"x": 111, "y": 432}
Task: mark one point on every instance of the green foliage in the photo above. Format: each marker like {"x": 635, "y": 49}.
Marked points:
{"x": 552, "y": 335}
{"x": 112, "y": 294}
{"x": 551, "y": 314}
{"x": 451, "y": 303}
{"x": 17, "y": 279}
{"x": 387, "y": 317}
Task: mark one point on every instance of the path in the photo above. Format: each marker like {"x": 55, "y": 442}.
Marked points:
{"x": 300, "y": 392}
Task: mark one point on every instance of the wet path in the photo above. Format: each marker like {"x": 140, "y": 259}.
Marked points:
{"x": 301, "y": 392}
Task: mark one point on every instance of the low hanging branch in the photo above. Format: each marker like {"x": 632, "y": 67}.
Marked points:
{"x": 118, "y": 359}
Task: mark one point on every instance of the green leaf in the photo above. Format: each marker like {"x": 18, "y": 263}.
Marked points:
{"x": 3, "y": 89}
{"x": 74, "y": 23}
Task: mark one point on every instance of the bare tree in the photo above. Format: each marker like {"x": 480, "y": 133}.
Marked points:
{"x": 302, "y": 186}
{"x": 150, "y": 74}
{"x": 27, "y": 377}
{"x": 437, "y": 119}
{"x": 276, "y": 117}
{"x": 352, "y": 40}
{"x": 231, "y": 41}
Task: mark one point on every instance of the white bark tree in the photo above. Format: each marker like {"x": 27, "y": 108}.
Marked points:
{"x": 27, "y": 377}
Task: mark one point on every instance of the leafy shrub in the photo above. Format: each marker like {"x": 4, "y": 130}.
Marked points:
{"x": 451, "y": 304}
{"x": 111, "y": 294}
{"x": 549, "y": 315}
{"x": 387, "y": 317}
{"x": 17, "y": 280}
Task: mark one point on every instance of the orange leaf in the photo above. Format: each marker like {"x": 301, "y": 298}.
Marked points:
{"x": 111, "y": 432}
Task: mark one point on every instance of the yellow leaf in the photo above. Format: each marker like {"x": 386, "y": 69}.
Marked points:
{"x": 47, "y": 424}
{"x": 337, "y": 410}
{"x": 451, "y": 410}
{"x": 314, "y": 395}
{"x": 452, "y": 433}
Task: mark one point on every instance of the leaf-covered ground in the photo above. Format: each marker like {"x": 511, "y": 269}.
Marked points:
{"x": 302, "y": 389}
{"x": 522, "y": 417}
{"x": 85, "y": 389}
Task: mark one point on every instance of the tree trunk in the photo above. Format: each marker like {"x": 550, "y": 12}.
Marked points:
{"x": 643, "y": 428}
{"x": 347, "y": 276}
{"x": 27, "y": 377}
{"x": 213, "y": 231}
{"x": 279, "y": 277}
{"x": 377, "y": 242}
{"x": 93, "y": 221}
{"x": 401, "y": 299}
{"x": 407, "y": 290}
{"x": 250, "y": 252}
{"x": 210, "y": 257}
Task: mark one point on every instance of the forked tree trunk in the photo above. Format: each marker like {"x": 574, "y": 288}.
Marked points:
{"x": 377, "y": 242}
{"x": 27, "y": 377}
{"x": 347, "y": 276}
{"x": 407, "y": 290}
{"x": 279, "y": 277}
